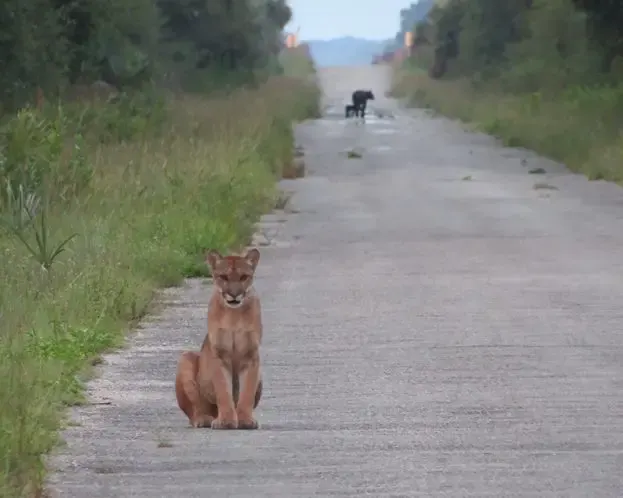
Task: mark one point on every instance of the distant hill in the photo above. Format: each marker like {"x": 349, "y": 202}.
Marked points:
{"x": 345, "y": 51}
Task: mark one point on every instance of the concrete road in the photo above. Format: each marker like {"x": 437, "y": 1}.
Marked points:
{"x": 434, "y": 326}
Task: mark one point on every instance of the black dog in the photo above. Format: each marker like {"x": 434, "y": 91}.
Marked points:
{"x": 360, "y": 101}
{"x": 350, "y": 110}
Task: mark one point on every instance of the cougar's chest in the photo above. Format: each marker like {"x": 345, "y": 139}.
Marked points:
{"x": 234, "y": 342}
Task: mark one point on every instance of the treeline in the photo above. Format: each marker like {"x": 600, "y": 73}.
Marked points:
{"x": 524, "y": 45}
{"x": 50, "y": 44}
{"x": 414, "y": 14}
{"x": 541, "y": 74}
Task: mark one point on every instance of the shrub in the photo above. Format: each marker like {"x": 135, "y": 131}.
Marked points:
{"x": 36, "y": 151}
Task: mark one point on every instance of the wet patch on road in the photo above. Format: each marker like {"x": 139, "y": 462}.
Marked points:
{"x": 373, "y": 114}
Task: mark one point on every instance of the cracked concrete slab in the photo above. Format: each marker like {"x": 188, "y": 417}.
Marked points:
{"x": 424, "y": 335}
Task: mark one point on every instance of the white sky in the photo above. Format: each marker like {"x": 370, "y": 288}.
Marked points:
{"x": 324, "y": 19}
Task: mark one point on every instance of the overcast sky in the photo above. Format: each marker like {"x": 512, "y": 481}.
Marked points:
{"x": 323, "y": 19}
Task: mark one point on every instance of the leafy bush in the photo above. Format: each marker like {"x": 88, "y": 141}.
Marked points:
{"x": 44, "y": 151}
{"x": 37, "y": 151}
{"x": 128, "y": 43}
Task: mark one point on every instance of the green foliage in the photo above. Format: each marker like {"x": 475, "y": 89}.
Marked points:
{"x": 37, "y": 152}
{"x": 24, "y": 212}
{"x": 297, "y": 62}
{"x": 45, "y": 152}
{"x": 33, "y": 51}
{"x": 223, "y": 36}
{"x": 605, "y": 27}
{"x": 554, "y": 51}
{"x": 111, "y": 40}
{"x": 49, "y": 44}
{"x": 526, "y": 43}
{"x": 487, "y": 27}
{"x": 125, "y": 118}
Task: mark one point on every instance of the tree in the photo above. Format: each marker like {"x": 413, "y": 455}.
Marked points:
{"x": 52, "y": 43}
{"x": 33, "y": 50}
{"x": 487, "y": 28}
{"x": 605, "y": 27}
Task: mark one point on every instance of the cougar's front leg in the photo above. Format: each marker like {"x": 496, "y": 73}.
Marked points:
{"x": 223, "y": 390}
{"x": 249, "y": 395}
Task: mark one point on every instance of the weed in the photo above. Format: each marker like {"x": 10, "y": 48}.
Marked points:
{"x": 42, "y": 152}
{"x": 23, "y": 212}
{"x": 544, "y": 186}
{"x": 297, "y": 62}
{"x": 537, "y": 171}
{"x": 163, "y": 442}
{"x": 353, "y": 154}
{"x": 282, "y": 200}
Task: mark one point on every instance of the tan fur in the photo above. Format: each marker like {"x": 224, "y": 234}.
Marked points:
{"x": 220, "y": 386}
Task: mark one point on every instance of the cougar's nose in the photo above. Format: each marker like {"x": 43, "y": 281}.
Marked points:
{"x": 236, "y": 294}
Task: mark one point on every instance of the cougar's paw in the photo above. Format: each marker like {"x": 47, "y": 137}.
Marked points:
{"x": 224, "y": 424}
{"x": 248, "y": 424}
{"x": 202, "y": 421}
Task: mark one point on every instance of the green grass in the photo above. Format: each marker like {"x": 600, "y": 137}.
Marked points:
{"x": 296, "y": 63}
{"x": 138, "y": 195}
{"x": 579, "y": 126}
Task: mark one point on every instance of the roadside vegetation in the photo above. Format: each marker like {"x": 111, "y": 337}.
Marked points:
{"x": 134, "y": 135}
{"x": 543, "y": 74}
{"x": 297, "y": 62}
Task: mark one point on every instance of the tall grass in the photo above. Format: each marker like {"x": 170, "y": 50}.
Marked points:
{"x": 297, "y": 61}
{"x": 101, "y": 206}
{"x": 581, "y": 126}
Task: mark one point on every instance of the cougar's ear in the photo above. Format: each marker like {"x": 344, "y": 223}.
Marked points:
{"x": 212, "y": 258}
{"x": 253, "y": 257}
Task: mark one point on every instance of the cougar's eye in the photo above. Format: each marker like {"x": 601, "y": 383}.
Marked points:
{"x": 244, "y": 278}
{"x": 224, "y": 278}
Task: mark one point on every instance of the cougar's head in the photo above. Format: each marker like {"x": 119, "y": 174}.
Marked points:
{"x": 370, "y": 95}
{"x": 233, "y": 275}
